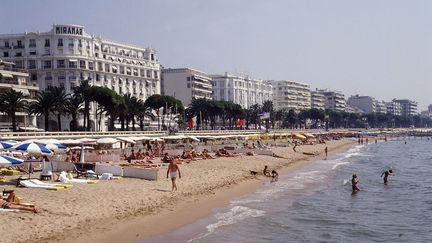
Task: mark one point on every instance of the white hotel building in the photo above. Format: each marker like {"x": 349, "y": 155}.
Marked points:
{"x": 241, "y": 90}
{"x": 186, "y": 84}
{"x": 67, "y": 54}
{"x": 291, "y": 95}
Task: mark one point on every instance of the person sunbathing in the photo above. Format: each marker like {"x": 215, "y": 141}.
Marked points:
{"x": 206, "y": 155}
{"x": 13, "y": 205}
{"x": 166, "y": 158}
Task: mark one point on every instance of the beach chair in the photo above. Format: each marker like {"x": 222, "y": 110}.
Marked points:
{"x": 84, "y": 173}
{"x": 64, "y": 178}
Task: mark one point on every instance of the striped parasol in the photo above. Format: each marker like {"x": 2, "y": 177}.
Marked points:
{"x": 7, "y": 160}
{"x": 32, "y": 148}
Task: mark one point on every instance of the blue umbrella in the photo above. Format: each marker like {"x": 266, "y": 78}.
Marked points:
{"x": 55, "y": 147}
{"x": 4, "y": 145}
{"x": 32, "y": 148}
{"x": 7, "y": 160}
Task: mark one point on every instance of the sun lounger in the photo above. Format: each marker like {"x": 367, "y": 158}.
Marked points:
{"x": 64, "y": 179}
{"x": 29, "y": 184}
{"x": 38, "y": 182}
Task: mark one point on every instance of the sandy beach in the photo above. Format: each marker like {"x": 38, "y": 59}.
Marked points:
{"x": 131, "y": 209}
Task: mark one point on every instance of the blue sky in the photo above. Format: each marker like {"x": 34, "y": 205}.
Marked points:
{"x": 381, "y": 48}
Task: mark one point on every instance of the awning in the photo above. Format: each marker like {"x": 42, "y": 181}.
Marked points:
{"x": 120, "y": 59}
{"x": 141, "y": 63}
{"x": 135, "y": 71}
{"x": 134, "y": 81}
{"x": 96, "y": 44}
{"x": 24, "y": 91}
{"x": 73, "y": 60}
{"x": 112, "y": 58}
{"x": 114, "y": 67}
{"x": 6, "y": 75}
{"x": 134, "y": 62}
{"x": 128, "y": 70}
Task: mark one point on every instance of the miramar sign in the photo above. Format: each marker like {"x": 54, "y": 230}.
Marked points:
{"x": 68, "y": 30}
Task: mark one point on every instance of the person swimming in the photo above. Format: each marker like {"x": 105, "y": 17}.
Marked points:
{"x": 354, "y": 183}
{"x": 386, "y": 174}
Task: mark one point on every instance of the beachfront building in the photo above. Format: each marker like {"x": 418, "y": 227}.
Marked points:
{"x": 186, "y": 84}
{"x": 380, "y": 107}
{"x": 67, "y": 54}
{"x": 393, "y": 108}
{"x": 334, "y": 100}
{"x": 317, "y": 100}
{"x": 18, "y": 80}
{"x": 408, "y": 107}
{"x": 365, "y": 103}
{"x": 291, "y": 95}
{"x": 241, "y": 90}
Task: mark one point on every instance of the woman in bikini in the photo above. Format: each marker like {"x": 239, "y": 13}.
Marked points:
{"x": 173, "y": 171}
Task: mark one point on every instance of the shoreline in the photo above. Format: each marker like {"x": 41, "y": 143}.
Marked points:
{"x": 189, "y": 209}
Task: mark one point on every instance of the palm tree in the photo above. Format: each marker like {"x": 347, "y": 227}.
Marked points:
{"x": 84, "y": 90}
{"x": 44, "y": 103}
{"x": 73, "y": 107}
{"x": 12, "y": 101}
{"x": 143, "y": 112}
{"x": 59, "y": 104}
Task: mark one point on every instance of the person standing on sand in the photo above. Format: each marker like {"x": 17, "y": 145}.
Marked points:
{"x": 354, "y": 183}
{"x": 326, "y": 151}
{"x": 295, "y": 145}
{"x": 173, "y": 171}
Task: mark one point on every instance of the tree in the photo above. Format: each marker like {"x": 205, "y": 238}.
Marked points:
{"x": 58, "y": 108}
{"x": 84, "y": 91}
{"x": 43, "y": 105}
{"x": 12, "y": 101}
{"x": 73, "y": 106}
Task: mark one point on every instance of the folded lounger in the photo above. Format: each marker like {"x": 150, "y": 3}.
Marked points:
{"x": 29, "y": 184}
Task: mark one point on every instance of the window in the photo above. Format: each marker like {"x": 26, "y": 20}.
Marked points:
{"x": 47, "y": 64}
{"x": 32, "y": 53}
{"x": 121, "y": 70}
{"x": 72, "y": 64}
{"x": 61, "y": 76}
{"x": 97, "y": 77}
{"x": 33, "y": 77}
{"x": 18, "y": 54}
{"x": 71, "y": 43}
{"x": 31, "y": 64}
{"x": 60, "y": 42}
{"x": 82, "y": 64}
{"x": 6, "y": 43}
{"x": 107, "y": 69}
{"x": 32, "y": 43}
{"x": 79, "y": 43}
{"x": 19, "y": 44}
{"x": 60, "y": 64}
{"x": 152, "y": 57}
{"x": 5, "y": 54}
{"x": 48, "y": 77}
{"x": 90, "y": 65}
{"x": 47, "y": 43}
{"x": 188, "y": 85}
{"x": 19, "y": 64}
{"x": 188, "y": 79}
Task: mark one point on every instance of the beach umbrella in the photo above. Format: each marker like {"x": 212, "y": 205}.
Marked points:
{"x": 56, "y": 147}
{"x": 32, "y": 148}
{"x": 127, "y": 140}
{"x": 4, "y": 145}
{"x": 8, "y": 160}
{"x": 193, "y": 138}
{"x": 107, "y": 141}
{"x": 299, "y": 136}
{"x": 79, "y": 147}
{"x": 87, "y": 140}
{"x": 308, "y": 135}
{"x": 70, "y": 141}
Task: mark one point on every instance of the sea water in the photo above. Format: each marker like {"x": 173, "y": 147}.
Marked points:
{"x": 315, "y": 203}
